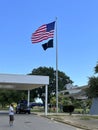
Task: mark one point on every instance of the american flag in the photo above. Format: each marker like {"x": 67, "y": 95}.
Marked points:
{"x": 43, "y": 33}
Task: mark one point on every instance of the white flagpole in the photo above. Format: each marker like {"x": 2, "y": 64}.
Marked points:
{"x": 56, "y": 69}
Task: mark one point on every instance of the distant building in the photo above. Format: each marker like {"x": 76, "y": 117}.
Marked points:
{"x": 75, "y": 91}
{"x": 79, "y": 93}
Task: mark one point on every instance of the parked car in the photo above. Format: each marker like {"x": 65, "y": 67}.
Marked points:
{"x": 32, "y": 104}
{"x": 22, "y": 108}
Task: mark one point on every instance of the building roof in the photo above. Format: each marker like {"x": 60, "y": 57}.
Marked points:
{"x": 76, "y": 92}
{"x": 22, "y": 82}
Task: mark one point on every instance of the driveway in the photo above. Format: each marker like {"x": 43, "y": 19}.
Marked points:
{"x": 31, "y": 122}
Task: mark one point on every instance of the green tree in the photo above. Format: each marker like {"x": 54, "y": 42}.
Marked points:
{"x": 63, "y": 79}
{"x": 92, "y": 91}
{"x": 9, "y": 96}
{"x": 96, "y": 68}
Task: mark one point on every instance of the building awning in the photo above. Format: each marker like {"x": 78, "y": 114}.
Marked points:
{"x": 22, "y": 82}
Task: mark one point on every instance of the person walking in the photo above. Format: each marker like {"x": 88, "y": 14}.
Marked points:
{"x": 11, "y": 115}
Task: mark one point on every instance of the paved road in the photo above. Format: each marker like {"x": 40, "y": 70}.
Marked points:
{"x": 32, "y": 122}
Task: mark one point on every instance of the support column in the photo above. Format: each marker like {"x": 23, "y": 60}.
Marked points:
{"x": 28, "y": 97}
{"x": 46, "y": 98}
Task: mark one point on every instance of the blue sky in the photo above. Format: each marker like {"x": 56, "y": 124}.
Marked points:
{"x": 77, "y": 29}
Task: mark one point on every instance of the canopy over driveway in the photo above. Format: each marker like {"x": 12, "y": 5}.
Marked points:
{"x": 24, "y": 82}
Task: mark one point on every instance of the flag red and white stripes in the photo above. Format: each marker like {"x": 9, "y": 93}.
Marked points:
{"x": 43, "y": 33}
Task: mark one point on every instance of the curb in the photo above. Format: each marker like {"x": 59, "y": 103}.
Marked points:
{"x": 68, "y": 123}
